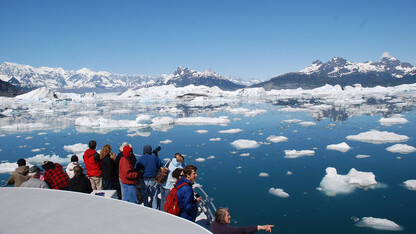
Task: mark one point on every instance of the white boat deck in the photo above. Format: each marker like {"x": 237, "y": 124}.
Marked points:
{"x": 29, "y": 210}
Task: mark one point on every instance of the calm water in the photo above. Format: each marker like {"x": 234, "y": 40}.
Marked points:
{"x": 234, "y": 181}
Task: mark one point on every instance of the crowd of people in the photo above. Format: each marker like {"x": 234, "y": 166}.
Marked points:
{"x": 133, "y": 178}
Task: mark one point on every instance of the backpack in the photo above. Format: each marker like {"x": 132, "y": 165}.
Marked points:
{"x": 171, "y": 204}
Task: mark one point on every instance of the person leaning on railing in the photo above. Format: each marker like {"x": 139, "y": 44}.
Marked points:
{"x": 223, "y": 218}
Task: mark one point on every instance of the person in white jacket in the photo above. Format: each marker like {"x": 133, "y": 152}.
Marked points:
{"x": 70, "y": 168}
{"x": 176, "y": 162}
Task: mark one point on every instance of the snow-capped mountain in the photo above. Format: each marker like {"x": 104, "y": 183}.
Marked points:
{"x": 389, "y": 71}
{"x": 28, "y": 77}
{"x": 185, "y": 76}
{"x": 338, "y": 67}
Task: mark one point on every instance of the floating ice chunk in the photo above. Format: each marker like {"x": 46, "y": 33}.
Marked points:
{"x": 343, "y": 147}
{"x": 223, "y": 120}
{"x": 28, "y": 138}
{"x": 291, "y": 109}
{"x": 240, "y": 110}
{"x": 255, "y": 112}
{"x": 291, "y": 121}
{"x": 245, "y": 155}
{"x": 401, "y": 148}
{"x": 392, "y": 120}
{"x": 211, "y": 157}
{"x": 278, "y": 192}
{"x": 307, "y": 123}
{"x": 24, "y": 127}
{"x": 377, "y": 137}
{"x": 38, "y": 94}
{"x": 38, "y": 159}
{"x": 234, "y": 130}
{"x": 362, "y": 156}
{"x": 264, "y": 174}
{"x": 410, "y": 184}
{"x": 77, "y": 149}
{"x": 238, "y": 168}
{"x": 35, "y": 150}
{"x": 111, "y": 124}
{"x": 215, "y": 139}
{"x": 167, "y": 141}
{"x": 334, "y": 183}
{"x": 298, "y": 153}
{"x": 162, "y": 121}
{"x": 200, "y": 159}
{"x": 276, "y": 139}
{"x": 288, "y": 173}
{"x": 41, "y": 133}
{"x": 7, "y": 167}
{"x": 379, "y": 224}
{"x": 245, "y": 144}
{"x": 201, "y": 131}
{"x": 144, "y": 119}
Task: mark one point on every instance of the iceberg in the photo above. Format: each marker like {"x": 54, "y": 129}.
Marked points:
{"x": 343, "y": 147}
{"x": 362, "y": 156}
{"x": 334, "y": 183}
{"x": 223, "y": 120}
{"x": 215, "y": 139}
{"x": 410, "y": 184}
{"x": 298, "y": 153}
{"x": 278, "y": 192}
{"x": 307, "y": 123}
{"x": 377, "y": 137}
{"x": 264, "y": 174}
{"x": 77, "y": 149}
{"x": 167, "y": 141}
{"x": 277, "y": 139}
{"x": 201, "y": 131}
{"x": 392, "y": 120}
{"x": 379, "y": 224}
{"x": 401, "y": 149}
{"x": 245, "y": 144}
{"x": 230, "y": 131}
{"x": 200, "y": 159}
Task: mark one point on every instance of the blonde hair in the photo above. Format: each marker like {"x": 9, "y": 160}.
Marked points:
{"x": 106, "y": 150}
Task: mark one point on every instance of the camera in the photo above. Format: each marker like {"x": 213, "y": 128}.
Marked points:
{"x": 156, "y": 151}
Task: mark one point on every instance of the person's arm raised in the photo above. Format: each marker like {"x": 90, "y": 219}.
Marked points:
{"x": 267, "y": 227}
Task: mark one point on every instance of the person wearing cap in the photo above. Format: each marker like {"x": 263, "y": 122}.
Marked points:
{"x": 150, "y": 165}
{"x": 34, "y": 181}
{"x": 176, "y": 162}
{"x": 93, "y": 166}
{"x": 70, "y": 168}
{"x": 55, "y": 176}
{"x": 19, "y": 175}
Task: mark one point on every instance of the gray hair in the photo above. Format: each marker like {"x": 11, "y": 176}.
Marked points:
{"x": 220, "y": 214}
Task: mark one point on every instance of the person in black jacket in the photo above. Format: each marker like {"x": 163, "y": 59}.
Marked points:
{"x": 223, "y": 218}
{"x": 108, "y": 167}
{"x": 80, "y": 183}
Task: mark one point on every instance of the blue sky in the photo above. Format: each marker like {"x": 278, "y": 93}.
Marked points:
{"x": 247, "y": 39}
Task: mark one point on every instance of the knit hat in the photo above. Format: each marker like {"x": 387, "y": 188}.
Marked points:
{"x": 126, "y": 151}
{"x": 147, "y": 149}
{"x": 21, "y": 162}
{"x": 122, "y": 146}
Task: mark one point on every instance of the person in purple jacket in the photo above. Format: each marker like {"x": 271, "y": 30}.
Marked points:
{"x": 223, "y": 218}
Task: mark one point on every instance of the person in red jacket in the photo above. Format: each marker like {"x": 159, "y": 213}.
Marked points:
{"x": 128, "y": 176}
{"x": 93, "y": 166}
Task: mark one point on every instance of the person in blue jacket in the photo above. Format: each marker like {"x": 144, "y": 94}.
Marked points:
{"x": 150, "y": 165}
{"x": 188, "y": 204}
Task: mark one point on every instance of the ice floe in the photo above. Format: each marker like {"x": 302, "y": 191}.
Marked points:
{"x": 379, "y": 224}
{"x": 298, "y": 153}
{"x": 410, "y": 184}
{"x": 201, "y": 131}
{"x": 393, "y": 120}
{"x": 230, "y": 131}
{"x": 211, "y": 157}
{"x": 378, "y": 137}
{"x": 245, "y": 155}
{"x": 278, "y": 192}
{"x": 363, "y": 156}
{"x": 223, "y": 120}
{"x": 343, "y": 147}
{"x": 245, "y": 144}
{"x": 289, "y": 173}
{"x": 167, "y": 141}
{"x": 200, "y": 159}
{"x": 215, "y": 139}
{"x": 334, "y": 183}
{"x": 291, "y": 121}
{"x": 277, "y": 139}
{"x": 264, "y": 174}
{"x": 77, "y": 149}
{"x": 401, "y": 148}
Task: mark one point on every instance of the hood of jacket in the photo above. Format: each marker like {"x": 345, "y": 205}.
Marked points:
{"x": 147, "y": 149}
{"x": 126, "y": 151}
{"x": 23, "y": 170}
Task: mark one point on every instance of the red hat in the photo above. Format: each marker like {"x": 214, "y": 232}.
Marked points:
{"x": 126, "y": 151}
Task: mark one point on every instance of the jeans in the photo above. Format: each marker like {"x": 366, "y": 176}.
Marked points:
{"x": 129, "y": 193}
{"x": 150, "y": 189}
{"x": 163, "y": 194}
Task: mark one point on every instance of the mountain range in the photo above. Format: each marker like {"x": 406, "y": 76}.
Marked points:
{"x": 388, "y": 71}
